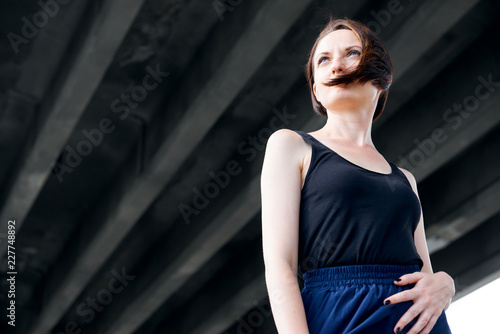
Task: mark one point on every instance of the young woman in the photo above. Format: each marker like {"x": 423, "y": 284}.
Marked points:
{"x": 337, "y": 213}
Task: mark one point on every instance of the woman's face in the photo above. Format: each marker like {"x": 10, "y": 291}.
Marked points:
{"x": 339, "y": 52}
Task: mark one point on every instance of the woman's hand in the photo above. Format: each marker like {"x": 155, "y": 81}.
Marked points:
{"x": 431, "y": 294}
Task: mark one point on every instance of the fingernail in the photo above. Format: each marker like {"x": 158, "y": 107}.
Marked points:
{"x": 398, "y": 330}
{"x": 387, "y": 302}
{"x": 398, "y": 280}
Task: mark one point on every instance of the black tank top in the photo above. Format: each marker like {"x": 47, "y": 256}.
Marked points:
{"x": 350, "y": 215}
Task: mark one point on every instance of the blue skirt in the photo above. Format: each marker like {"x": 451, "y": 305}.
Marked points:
{"x": 350, "y": 300}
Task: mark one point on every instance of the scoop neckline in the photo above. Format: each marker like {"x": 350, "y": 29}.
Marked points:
{"x": 352, "y": 163}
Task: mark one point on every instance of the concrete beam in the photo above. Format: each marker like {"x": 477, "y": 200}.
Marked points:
{"x": 243, "y": 270}
{"x": 229, "y": 222}
{"x": 48, "y": 50}
{"x": 427, "y": 25}
{"x": 482, "y": 121}
{"x": 482, "y": 282}
{"x": 435, "y": 111}
{"x": 107, "y": 32}
{"x": 468, "y": 216}
{"x": 251, "y": 49}
{"x": 38, "y": 71}
{"x": 243, "y": 301}
{"x": 436, "y": 18}
{"x": 97, "y": 52}
{"x": 472, "y": 259}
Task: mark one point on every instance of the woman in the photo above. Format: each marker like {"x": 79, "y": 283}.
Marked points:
{"x": 335, "y": 211}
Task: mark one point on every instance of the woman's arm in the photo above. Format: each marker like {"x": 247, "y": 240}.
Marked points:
{"x": 280, "y": 196}
{"x": 432, "y": 291}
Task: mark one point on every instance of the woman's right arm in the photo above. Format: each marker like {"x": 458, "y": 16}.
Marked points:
{"x": 280, "y": 196}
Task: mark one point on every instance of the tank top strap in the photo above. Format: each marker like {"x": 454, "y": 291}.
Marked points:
{"x": 312, "y": 141}
{"x": 320, "y": 150}
{"x": 303, "y": 135}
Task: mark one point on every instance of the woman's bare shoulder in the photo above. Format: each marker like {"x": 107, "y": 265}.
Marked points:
{"x": 285, "y": 134}
{"x": 285, "y": 148}
{"x": 286, "y": 139}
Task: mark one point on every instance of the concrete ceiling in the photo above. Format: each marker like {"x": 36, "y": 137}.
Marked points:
{"x": 132, "y": 135}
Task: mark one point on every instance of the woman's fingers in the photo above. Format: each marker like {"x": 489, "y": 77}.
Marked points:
{"x": 427, "y": 329}
{"x": 424, "y": 320}
{"x": 410, "y": 314}
{"x": 410, "y": 278}
{"x": 400, "y": 297}
{"x": 429, "y": 295}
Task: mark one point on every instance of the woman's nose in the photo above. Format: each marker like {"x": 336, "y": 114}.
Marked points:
{"x": 338, "y": 66}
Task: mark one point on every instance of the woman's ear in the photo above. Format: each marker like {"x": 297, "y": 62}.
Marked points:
{"x": 314, "y": 91}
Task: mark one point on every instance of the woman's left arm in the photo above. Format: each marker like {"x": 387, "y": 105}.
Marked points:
{"x": 432, "y": 292}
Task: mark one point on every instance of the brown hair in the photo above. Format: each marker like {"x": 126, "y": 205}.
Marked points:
{"x": 375, "y": 63}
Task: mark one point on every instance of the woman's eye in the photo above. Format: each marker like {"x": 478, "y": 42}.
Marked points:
{"x": 321, "y": 60}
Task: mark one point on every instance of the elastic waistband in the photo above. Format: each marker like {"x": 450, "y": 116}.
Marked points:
{"x": 356, "y": 275}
